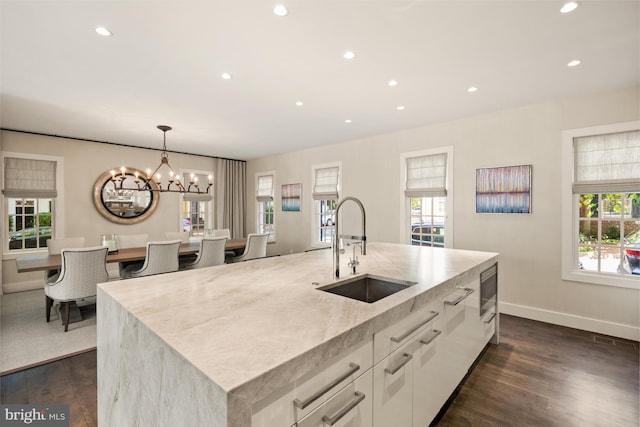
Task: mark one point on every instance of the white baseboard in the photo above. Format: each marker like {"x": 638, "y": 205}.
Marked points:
{"x": 577, "y": 322}
{"x": 8, "y": 288}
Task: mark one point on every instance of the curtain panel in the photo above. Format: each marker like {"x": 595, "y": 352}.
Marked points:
{"x": 230, "y": 196}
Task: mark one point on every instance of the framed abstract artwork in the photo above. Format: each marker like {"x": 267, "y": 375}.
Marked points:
{"x": 291, "y": 197}
{"x": 503, "y": 189}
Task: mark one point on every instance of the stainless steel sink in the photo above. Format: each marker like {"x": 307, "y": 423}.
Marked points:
{"x": 366, "y": 288}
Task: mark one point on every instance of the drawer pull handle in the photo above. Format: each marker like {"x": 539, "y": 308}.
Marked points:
{"x": 434, "y": 335}
{"x": 432, "y": 316}
{"x": 467, "y": 292}
{"x": 493, "y": 316}
{"x": 359, "y": 397}
{"x": 407, "y": 358}
{"x": 303, "y": 404}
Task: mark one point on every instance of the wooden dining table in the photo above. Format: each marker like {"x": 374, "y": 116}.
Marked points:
{"x": 54, "y": 262}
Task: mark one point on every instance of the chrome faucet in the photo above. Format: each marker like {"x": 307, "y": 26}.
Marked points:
{"x": 353, "y": 261}
{"x": 363, "y": 238}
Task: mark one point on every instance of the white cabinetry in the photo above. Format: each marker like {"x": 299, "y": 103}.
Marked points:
{"x": 392, "y": 393}
{"x": 420, "y": 360}
{"x": 298, "y": 399}
{"x": 398, "y": 378}
{"x": 430, "y": 390}
{"x": 461, "y": 330}
{"x": 352, "y": 406}
{"x": 488, "y": 326}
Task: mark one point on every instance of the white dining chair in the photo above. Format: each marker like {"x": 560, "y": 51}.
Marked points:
{"x": 131, "y": 241}
{"x": 211, "y": 253}
{"x": 184, "y": 237}
{"x": 55, "y": 247}
{"x": 161, "y": 257}
{"x": 224, "y": 232}
{"x": 82, "y": 269}
{"x": 256, "y": 247}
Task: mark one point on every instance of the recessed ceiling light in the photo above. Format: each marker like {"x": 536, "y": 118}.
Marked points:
{"x": 472, "y": 89}
{"x": 226, "y": 76}
{"x": 103, "y": 31}
{"x": 280, "y": 10}
{"x": 574, "y": 63}
{"x": 400, "y": 107}
{"x": 393, "y": 83}
{"x": 299, "y": 103}
{"x": 348, "y": 121}
{"x": 349, "y": 54}
{"x": 569, "y": 7}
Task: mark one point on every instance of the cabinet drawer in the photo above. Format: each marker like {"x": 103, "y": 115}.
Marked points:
{"x": 488, "y": 326}
{"x": 294, "y": 402}
{"x": 352, "y": 406}
{"x": 394, "y": 336}
{"x": 432, "y": 382}
{"x": 392, "y": 388}
{"x": 460, "y": 328}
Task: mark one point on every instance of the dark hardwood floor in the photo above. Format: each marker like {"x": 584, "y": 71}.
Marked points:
{"x": 540, "y": 375}
{"x": 548, "y": 375}
{"x": 71, "y": 381}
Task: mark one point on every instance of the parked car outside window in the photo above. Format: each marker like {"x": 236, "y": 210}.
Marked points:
{"x": 632, "y": 255}
{"x": 31, "y": 237}
{"x": 427, "y": 235}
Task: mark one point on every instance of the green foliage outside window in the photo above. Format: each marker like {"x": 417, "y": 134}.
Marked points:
{"x": 44, "y": 220}
{"x": 590, "y": 204}
{"x": 268, "y": 213}
{"x": 612, "y": 202}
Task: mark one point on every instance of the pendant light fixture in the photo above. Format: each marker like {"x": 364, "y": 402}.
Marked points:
{"x": 164, "y": 177}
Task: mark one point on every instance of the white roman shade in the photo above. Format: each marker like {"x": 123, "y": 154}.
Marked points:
{"x": 264, "y": 191}
{"x": 608, "y": 163}
{"x": 325, "y": 184}
{"x": 427, "y": 176}
{"x": 29, "y": 178}
{"x": 203, "y": 182}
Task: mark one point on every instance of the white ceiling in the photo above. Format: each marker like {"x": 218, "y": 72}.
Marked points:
{"x": 164, "y": 61}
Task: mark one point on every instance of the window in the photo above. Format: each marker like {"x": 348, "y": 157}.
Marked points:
{"x": 326, "y": 184}
{"x": 427, "y": 221}
{"x": 197, "y": 209}
{"x": 29, "y": 223}
{"x": 601, "y": 205}
{"x": 426, "y": 198}
{"x": 29, "y": 191}
{"x": 264, "y": 198}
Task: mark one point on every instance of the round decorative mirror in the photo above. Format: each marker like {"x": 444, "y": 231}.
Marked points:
{"x": 118, "y": 198}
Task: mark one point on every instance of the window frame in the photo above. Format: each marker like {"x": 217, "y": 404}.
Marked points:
{"x": 261, "y": 205}
{"x": 404, "y": 231}
{"x": 57, "y": 219}
{"x": 570, "y": 212}
{"x": 315, "y": 211}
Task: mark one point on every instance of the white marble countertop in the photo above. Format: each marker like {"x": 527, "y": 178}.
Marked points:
{"x": 253, "y": 327}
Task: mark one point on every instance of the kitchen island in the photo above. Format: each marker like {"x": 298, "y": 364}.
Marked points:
{"x": 218, "y": 346}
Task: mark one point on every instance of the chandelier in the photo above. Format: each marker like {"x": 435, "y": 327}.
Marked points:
{"x": 154, "y": 180}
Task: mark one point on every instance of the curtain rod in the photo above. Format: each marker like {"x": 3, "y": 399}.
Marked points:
{"x": 114, "y": 143}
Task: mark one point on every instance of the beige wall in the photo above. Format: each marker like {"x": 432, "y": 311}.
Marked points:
{"x": 530, "y": 245}
{"x": 84, "y": 162}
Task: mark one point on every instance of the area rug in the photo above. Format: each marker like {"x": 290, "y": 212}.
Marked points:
{"x": 27, "y": 340}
